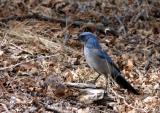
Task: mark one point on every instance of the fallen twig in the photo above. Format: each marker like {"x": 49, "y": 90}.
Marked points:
{"x": 52, "y": 19}
{"x": 149, "y": 60}
{"x": 122, "y": 25}
{"x": 38, "y": 17}
{"x": 81, "y": 85}
{"x": 53, "y": 109}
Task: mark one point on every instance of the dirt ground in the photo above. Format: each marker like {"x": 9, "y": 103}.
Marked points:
{"x": 38, "y": 55}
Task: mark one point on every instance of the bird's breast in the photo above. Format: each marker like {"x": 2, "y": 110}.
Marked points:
{"x": 94, "y": 61}
{"x": 90, "y": 57}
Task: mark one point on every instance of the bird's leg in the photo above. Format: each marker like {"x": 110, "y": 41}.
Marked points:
{"x": 95, "y": 80}
{"x": 108, "y": 83}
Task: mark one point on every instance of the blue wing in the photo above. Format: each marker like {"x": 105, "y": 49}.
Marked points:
{"x": 93, "y": 43}
{"x": 105, "y": 56}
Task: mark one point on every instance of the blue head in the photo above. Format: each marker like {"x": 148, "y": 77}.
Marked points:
{"x": 89, "y": 40}
{"x": 83, "y": 37}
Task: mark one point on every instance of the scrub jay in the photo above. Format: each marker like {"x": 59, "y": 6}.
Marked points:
{"x": 101, "y": 62}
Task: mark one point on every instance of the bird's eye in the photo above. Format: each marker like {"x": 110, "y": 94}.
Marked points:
{"x": 82, "y": 37}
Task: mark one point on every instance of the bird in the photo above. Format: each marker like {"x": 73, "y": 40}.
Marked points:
{"x": 101, "y": 62}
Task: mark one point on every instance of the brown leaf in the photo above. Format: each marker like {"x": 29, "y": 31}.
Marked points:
{"x": 130, "y": 64}
{"x": 60, "y": 90}
{"x": 1, "y": 52}
{"x": 68, "y": 76}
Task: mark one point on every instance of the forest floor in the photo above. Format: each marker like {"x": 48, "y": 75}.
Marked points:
{"x": 38, "y": 55}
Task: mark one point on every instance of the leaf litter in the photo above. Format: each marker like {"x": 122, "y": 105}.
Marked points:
{"x": 36, "y": 66}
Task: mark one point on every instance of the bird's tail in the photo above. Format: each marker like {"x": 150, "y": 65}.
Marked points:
{"x": 120, "y": 80}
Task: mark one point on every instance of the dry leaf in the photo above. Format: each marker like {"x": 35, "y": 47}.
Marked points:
{"x": 68, "y": 76}
{"x": 130, "y": 64}
{"x": 1, "y": 52}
